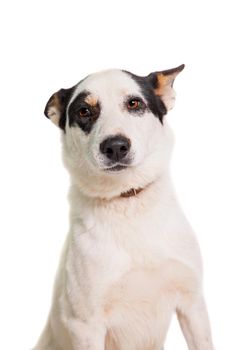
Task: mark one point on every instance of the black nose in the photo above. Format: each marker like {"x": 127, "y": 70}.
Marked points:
{"x": 115, "y": 147}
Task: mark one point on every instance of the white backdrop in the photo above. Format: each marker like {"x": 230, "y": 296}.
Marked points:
{"x": 46, "y": 45}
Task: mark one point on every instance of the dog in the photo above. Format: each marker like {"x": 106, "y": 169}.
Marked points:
{"x": 131, "y": 259}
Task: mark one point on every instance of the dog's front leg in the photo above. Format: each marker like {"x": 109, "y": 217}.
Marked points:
{"x": 86, "y": 335}
{"x": 194, "y": 322}
{"x": 72, "y": 334}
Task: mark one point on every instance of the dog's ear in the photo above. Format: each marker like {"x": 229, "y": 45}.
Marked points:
{"x": 163, "y": 85}
{"x": 56, "y": 107}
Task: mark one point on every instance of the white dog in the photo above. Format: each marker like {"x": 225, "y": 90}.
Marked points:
{"x": 131, "y": 259}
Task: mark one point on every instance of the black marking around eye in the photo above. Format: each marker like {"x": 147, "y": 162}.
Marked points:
{"x": 138, "y": 111}
{"x": 147, "y": 86}
{"x": 85, "y": 123}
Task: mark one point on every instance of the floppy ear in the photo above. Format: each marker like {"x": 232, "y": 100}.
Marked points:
{"x": 163, "y": 85}
{"x": 56, "y": 107}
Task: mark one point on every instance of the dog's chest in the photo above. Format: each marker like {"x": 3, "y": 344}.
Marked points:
{"x": 132, "y": 277}
{"x": 113, "y": 245}
{"x": 113, "y": 240}
{"x": 122, "y": 265}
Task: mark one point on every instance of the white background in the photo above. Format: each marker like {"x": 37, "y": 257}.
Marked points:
{"x": 46, "y": 45}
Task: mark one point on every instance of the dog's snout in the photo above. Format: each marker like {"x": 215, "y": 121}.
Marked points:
{"x": 115, "y": 148}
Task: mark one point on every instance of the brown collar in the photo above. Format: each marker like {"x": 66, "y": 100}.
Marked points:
{"x": 132, "y": 192}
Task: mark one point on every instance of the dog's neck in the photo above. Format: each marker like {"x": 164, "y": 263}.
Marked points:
{"x": 156, "y": 188}
{"x": 159, "y": 187}
{"x": 127, "y": 202}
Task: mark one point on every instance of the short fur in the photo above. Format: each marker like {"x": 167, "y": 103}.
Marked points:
{"x": 129, "y": 262}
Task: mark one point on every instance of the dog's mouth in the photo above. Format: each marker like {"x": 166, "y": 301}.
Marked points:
{"x": 116, "y": 168}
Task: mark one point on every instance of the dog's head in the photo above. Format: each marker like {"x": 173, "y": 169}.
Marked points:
{"x": 114, "y": 134}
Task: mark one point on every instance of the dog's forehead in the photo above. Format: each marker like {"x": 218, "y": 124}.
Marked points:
{"x": 108, "y": 83}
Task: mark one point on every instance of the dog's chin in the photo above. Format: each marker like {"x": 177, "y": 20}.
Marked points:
{"x": 109, "y": 180}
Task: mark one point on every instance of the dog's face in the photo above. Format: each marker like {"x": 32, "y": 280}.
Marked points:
{"x": 114, "y": 135}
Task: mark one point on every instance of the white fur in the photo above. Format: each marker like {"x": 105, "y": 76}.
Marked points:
{"x": 128, "y": 263}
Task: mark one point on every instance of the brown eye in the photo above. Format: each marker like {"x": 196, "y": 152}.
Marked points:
{"x": 84, "y": 112}
{"x": 134, "y": 104}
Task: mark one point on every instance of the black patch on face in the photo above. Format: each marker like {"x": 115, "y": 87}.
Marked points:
{"x": 65, "y": 99}
{"x": 75, "y": 113}
{"x": 147, "y": 86}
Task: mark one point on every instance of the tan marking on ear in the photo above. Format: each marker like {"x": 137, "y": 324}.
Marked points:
{"x": 54, "y": 110}
{"x": 91, "y": 100}
{"x": 166, "y": 91}
{"x": 165, "y": 80}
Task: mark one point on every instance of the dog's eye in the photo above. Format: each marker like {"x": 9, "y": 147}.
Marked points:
{"x": 84, "y": 112}
{"x": 134, "y": 104}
